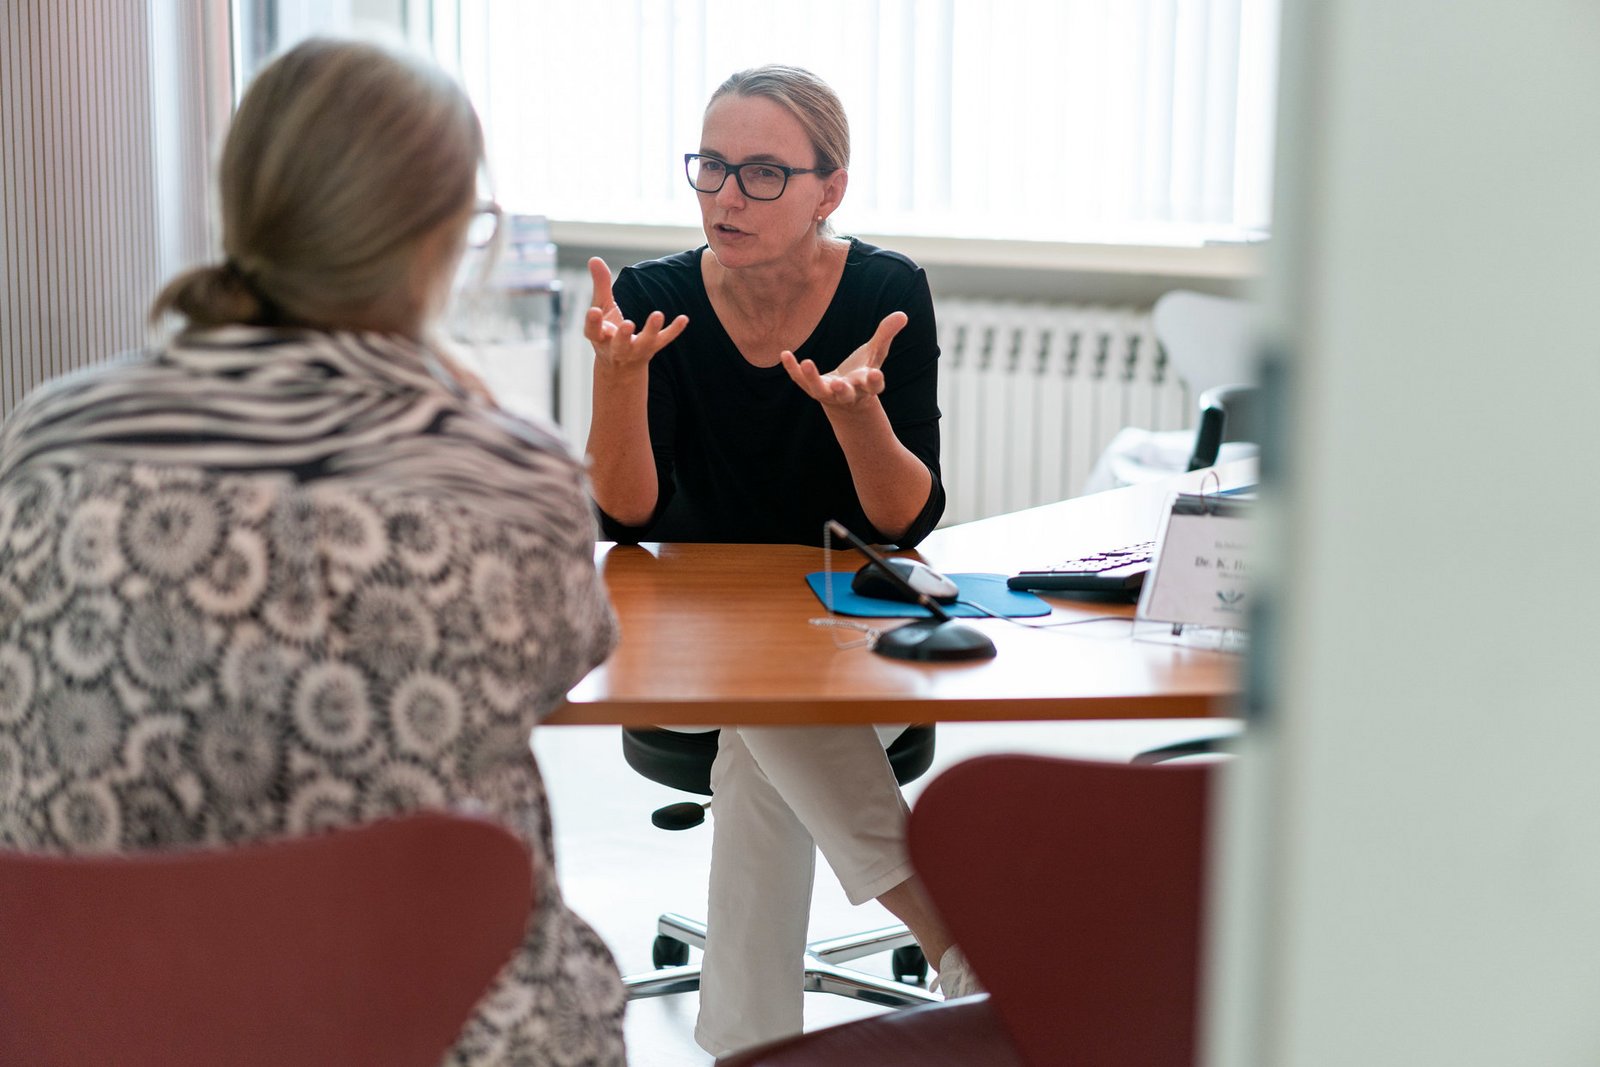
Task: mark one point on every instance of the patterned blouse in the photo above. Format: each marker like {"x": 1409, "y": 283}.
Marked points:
{"x": 271, "y": 582}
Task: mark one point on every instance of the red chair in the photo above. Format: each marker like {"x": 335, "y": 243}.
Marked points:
{"x": 1076, "y": 890}
{"x": 365, "y": 945}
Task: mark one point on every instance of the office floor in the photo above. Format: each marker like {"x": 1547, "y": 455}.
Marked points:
{"x": 619, "y": 872}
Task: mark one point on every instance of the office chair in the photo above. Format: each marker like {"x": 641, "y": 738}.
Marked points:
{"x": 1076, "y": 890}
{"x": 1209, "y": 343}
{"x": 368, "y": 944}
{"x": 683, "y": 761}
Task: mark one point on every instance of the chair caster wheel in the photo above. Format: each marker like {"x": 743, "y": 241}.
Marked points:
{"x": 670, "y": 952}
{"x": 909, "y": 962}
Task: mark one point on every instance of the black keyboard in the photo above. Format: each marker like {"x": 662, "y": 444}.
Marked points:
{"x": 1120, "y": 570}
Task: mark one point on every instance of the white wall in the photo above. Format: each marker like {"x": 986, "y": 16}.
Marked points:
{"x": 1413, "y": 868}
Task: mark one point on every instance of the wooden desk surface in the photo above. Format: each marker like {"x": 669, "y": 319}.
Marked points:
{"x": 721, "y": 633}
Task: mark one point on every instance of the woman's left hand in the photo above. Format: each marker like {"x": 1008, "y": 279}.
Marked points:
{"x": 860, "y": 376}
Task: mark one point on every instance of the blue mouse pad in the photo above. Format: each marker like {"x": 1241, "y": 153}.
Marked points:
{"x": 987, "y": 590}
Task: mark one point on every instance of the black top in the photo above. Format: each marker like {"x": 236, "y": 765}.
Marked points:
{"x": 742, "y": 453}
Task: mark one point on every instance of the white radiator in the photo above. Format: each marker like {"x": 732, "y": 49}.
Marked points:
{"x": 1030, "y": 393}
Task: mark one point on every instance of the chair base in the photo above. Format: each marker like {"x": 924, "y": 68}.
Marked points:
{"x": 822, "y": 973}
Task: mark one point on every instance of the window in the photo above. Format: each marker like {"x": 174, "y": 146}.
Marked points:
{"x": 1120, "y": 121}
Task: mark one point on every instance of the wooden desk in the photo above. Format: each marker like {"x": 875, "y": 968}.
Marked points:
{"x": 720, "y": 633}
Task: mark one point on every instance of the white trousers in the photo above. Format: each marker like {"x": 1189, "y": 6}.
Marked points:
{"x": 781, "y": 793}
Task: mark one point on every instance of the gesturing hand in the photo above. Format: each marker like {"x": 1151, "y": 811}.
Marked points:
{"x": 614, "y": 338}
{"x": 857, "y": 378}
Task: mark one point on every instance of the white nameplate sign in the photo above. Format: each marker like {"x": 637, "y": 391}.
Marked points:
{"x": 1202, "y": 565}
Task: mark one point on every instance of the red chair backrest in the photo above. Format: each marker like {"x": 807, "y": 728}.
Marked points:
{"x": 1075, "y": 890}
{"x": 365, "y": 945}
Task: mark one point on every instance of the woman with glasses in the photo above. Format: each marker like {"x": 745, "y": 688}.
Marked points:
{"x": 286, "y": 573}
{"x": 780, "y": 376}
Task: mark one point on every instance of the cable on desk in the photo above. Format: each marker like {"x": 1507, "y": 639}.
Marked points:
{"x": 870, "y": 634}
{"x": 868, "y": 641}
{"x": 1045, "y": 625}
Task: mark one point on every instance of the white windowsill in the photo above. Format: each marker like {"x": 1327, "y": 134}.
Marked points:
{"x": 1238, "y": 262}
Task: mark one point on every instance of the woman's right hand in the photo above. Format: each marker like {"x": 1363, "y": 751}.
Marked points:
{"x": 617, "y": 343}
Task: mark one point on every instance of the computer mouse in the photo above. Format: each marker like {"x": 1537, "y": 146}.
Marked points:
{"x": 871, "y": 581}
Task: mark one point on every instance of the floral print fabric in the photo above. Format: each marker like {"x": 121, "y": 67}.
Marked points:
{"x": 195, "y": 654}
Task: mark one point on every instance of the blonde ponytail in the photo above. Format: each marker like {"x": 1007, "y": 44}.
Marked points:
{"x": 216, "y": 295}
{"x": 343, "y": 157}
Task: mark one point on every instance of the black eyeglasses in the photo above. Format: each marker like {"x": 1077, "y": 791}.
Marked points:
{"x": 758, "y": 181}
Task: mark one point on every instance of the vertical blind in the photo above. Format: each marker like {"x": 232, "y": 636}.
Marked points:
{"x": 1122, "y": 120}
{"x": 105, "y": 122}
{"x": 79, "y": 235}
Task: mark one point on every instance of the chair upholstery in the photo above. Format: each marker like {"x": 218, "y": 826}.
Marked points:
{"x": 682, "y": 760}
{"x": 365, "y": 945}
{"x": 1076, "y": 890}
{"x": 677, "y": 759}
{"x": 1210, "y": 340}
